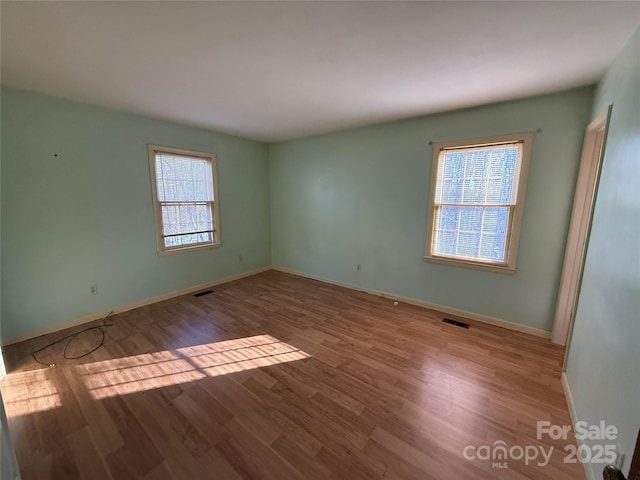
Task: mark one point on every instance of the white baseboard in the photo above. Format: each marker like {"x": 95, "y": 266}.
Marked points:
{"x": 567, "y": 393}
{"x": 130, "y": 306}
{"x": 538, "y": 332}
{"x": 148, "y": 301}
{"x": 574, "y": 418}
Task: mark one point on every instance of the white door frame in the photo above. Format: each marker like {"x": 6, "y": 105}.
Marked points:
{"x": 580, "y": 226}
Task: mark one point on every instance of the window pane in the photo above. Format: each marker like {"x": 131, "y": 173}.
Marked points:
{"x": 492, "y": 247}
{"x": 186, "y": 218}
{"x": 183, "y": 179}
{"x": 481, "y": 176}
{"x": 445, "y": 242}
{"x": 472, "y": 232}
{"x": 468, "y": 244}
{"x": 495, "y": 220}
{"x": 448, "y": 218}
{"x": 452, "y": 191}
{"x": 470, "y": 219}
{"x": 473, "y": 190}
{"x": 454, "y": 166}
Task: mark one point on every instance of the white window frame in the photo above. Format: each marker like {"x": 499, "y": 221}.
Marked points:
{"x": 517, "y": 209}
{"x": 157, "y": 205}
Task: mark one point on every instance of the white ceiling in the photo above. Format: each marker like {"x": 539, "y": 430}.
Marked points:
{"x": 278, "y": 70}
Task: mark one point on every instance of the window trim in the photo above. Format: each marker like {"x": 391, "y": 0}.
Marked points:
{"x": 157, "y": 205}
{"x": 515, "y": 222}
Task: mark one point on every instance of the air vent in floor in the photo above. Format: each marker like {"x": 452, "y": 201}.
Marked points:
{"x": 206, "y": 292}
{"x": 455, "y": 322}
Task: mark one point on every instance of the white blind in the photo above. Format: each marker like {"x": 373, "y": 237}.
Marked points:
{"x": 476, "y": 191}
{"x": 180, "y": 178}
{"x": 184, "y": 187}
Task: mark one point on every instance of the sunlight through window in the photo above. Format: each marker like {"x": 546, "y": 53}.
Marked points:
{"x": 147, "y": 371}
{"x": 37, "y": 393}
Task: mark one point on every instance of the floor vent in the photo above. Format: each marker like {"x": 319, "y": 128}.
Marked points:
{"x": 206, "y": 292}
{"x": 455, "y": 322}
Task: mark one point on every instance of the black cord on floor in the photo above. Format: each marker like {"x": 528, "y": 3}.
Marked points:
{"x": 70, "y": 338}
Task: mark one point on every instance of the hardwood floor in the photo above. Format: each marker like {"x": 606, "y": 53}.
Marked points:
{"x": 279, "y": 377}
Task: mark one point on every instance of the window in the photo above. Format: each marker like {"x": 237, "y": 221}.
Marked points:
{"x": 185, "y": 199}
{"x": 477, "y": 197}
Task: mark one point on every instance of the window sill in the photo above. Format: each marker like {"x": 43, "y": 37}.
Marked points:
{"x": 486, "y": 267}
{"x": 174, "y": 251}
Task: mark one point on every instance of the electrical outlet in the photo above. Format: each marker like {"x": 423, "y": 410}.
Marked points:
{"x": 359, "y": 268}
{"x": 93, "y": 289}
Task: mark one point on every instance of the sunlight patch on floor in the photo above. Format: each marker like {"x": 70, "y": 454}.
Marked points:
{"x": 31, "y": 392}
{"x": 122, "y": 376}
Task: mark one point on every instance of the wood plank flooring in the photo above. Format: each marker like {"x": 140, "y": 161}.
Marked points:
{"x": 279, "y": 377}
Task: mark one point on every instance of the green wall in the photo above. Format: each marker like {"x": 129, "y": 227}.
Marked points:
{"x": 86, "y": 216}
{"x": 604, "y": 360}
{"x": 361, "y": 197}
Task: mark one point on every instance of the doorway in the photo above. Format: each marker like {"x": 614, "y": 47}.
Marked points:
{"x": 580, "y": 226}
